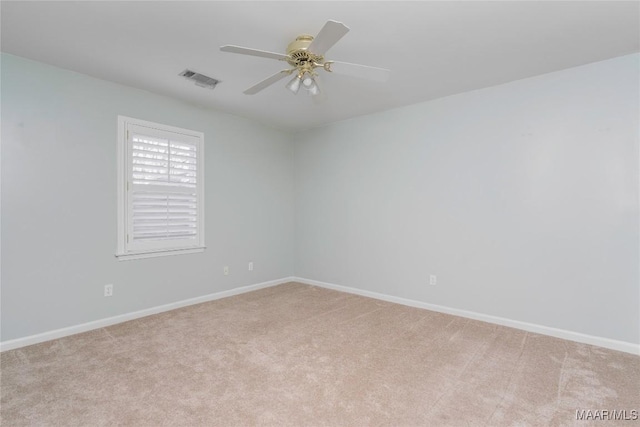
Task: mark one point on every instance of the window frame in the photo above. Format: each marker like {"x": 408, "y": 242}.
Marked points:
{"x": 124, "y": 174}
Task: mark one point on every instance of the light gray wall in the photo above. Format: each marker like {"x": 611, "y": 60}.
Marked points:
{"x": 59, "y": 202}
{"x": 521, "y": 198}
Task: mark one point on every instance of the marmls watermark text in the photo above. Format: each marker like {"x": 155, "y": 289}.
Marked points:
{"x": 606, "y": 414}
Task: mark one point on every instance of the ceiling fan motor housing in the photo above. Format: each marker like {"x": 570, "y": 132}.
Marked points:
{"x": 299, "y": 56}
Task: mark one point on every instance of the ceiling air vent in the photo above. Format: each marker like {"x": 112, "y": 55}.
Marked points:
{"x": 200, "y": 79}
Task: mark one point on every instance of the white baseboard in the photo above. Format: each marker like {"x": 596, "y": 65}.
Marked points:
{"x": 97, "y": 324}
{"x": 530, "y": 327}
{"x": 627, "y": 347}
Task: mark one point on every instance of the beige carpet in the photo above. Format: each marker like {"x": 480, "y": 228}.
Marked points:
{"x": 305, "y": 356}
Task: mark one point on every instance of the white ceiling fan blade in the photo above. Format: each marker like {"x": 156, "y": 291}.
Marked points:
{"x": 360, "y": 71}
{"x": 267, "y": 82}
{"x": 253, "y": 52}
{"x": 327, "y": 37}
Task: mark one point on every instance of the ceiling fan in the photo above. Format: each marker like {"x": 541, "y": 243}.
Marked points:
{"x": 306, "y": 55}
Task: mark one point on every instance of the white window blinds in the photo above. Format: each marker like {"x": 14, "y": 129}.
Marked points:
{"x": 164, "y": 203}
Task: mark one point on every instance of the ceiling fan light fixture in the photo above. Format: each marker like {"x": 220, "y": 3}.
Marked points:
{"x": 311, "y": 85}
{"x": 307, "y": 81}
{"x": 294, "y": 84}
{"x": 314, "y": 89}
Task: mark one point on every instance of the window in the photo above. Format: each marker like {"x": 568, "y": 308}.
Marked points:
{"x": 160, "y": 190}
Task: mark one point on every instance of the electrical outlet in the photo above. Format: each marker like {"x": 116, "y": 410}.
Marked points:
{"x": 250, "y": 265}
{"x": 108, "y": 290}
{"x": 226, "y": 270}
{"x": 433, "y": 280}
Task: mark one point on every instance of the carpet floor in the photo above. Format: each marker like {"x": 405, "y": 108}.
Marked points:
{"x": 305, "y": 356}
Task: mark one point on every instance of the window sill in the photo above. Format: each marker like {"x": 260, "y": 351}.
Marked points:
{"x": 154, "y": 254}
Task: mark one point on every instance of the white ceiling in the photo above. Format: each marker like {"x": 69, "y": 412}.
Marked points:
{"x": 434, "y": 49}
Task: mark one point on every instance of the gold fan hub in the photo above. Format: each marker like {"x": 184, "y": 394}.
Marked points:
{"x": 299, "y": 56}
